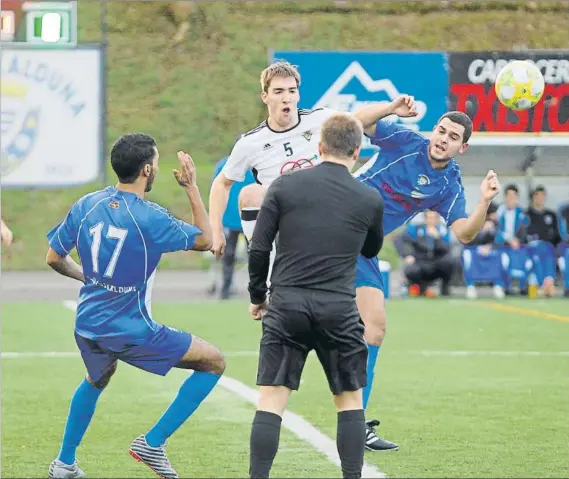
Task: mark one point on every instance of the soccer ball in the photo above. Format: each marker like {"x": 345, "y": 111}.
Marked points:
{"x": 519, "y": 85}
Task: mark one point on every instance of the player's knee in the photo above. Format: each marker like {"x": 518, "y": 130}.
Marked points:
{"x": 370, "y": 304}
{"x": 375, "y": 328}
{"x": 251, "y": 196}
{"x": 104, "y": 380}
{"x": 349, "y": 400}
{"x": 218, "y": 363}
{"x": 375, "y": 324}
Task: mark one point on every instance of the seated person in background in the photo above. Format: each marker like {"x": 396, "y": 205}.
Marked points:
{"x": 487, "y": 234}
{"x": 563, "y": 219}
{"x": 563, "y": 247}
{"x": 427, "y": 255}
{"x": 511, "y": 220}
{"x": 481, "y": 262}
{"x": 543, "y": 237}
{"x": 511, "y": 236}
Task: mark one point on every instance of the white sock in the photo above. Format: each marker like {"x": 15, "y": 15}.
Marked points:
{"x": 248, "y": 222}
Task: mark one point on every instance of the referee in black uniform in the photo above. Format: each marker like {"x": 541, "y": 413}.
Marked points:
{"x": 324, "y": 219}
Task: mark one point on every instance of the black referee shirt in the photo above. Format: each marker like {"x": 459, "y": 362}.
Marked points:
{"x": 324, "y": 218}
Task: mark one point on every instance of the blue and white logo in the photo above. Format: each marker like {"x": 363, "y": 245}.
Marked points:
{"x": 19, "y": 126}
{"x": 341, "y": 97}
{"x": 349, "y": 81}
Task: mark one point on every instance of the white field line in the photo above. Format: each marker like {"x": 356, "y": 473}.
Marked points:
{"x": 294, "y": 423}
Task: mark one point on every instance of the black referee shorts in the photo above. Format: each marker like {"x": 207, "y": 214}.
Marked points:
{"x": 298, "y": 321}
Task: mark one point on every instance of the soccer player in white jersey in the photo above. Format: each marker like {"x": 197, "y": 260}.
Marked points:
{"x": 287, "y": 140}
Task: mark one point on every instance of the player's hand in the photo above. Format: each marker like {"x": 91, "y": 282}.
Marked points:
{"x": 409, "y": 259}
{"x": 7, "y": 235}
{"x": 218, "y": 244}
{"x": 257, "y": 311}
{"x": 186, "y": 176}
{"x": 404, "y": 106}
{"x": 490, "y": 186}
{"x": 433, "y": 232}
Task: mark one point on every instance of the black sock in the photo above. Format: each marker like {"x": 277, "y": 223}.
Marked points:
{"x": 265, "y": 435}
{"x": 350, "y": 440}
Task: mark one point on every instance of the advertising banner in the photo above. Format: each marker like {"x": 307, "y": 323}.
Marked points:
{"x": 52, "y": 116}
{"x": 348, "y": 81}
{"x": 472, "y": 77}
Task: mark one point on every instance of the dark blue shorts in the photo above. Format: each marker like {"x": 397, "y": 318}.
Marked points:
{"x": 160, "y": 353}
{"x": 368, "y": 273}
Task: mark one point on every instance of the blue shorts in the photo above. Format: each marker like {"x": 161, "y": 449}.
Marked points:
{"x": 160, "y": 353}
{"x": 368, "y": 273}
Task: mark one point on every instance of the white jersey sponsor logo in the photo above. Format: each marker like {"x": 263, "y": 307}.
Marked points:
{"x": 270, "y": 153}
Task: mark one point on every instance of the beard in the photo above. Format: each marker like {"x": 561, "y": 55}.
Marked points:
{"x": 149, "y": 182}
{"x": 439, "y": 157}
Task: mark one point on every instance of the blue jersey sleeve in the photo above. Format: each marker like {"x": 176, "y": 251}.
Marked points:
{"x": 62, "y": 237}
{"x": 389, "y": 134}
{"x": 168, "y": 233}
{"x": 412, "y": 232}
{"x": 453, "y": 206}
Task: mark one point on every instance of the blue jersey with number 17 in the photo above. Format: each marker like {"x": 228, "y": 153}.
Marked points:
{"x": 119, "y": 238}
{"x": 403, "y": 176}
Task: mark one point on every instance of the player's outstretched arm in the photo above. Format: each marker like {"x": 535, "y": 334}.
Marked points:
{"x": 218, "y": 198}
{"x": 234, "y": 170}
{"x": 187, "y": 179}
{"x": 466, "y": 229}
{"x": 403, "y": 106}
{"x": 64, "y": 265}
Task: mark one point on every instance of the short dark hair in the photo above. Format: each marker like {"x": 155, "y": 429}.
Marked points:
{"x": 461, "y": 119}
{"x": 537, "y": 189}
{"x": 130, "y": 154}
{"x": 341, "y": 135}
{"x": 511, "y": 187}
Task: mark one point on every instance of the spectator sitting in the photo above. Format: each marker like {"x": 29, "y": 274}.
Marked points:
{"x": 511, "y": 220}
{"x": 563, "y": 219}
{"x": 563, "y": 247}
{"x": 481, "y": 262}
{"x": 512, "y": 230}
{"x": 543, "y": 237}
{"x": 427, "y": 255}
{"x": 487, "y": 234}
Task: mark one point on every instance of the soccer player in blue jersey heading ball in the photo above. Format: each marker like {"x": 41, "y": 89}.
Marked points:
{"x": 412, "y": 173}
{"x": 120, "y": 238}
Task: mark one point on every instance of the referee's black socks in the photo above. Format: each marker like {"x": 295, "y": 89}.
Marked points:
{"x": 265, "y": 435}
{"x": 350, "y": 440}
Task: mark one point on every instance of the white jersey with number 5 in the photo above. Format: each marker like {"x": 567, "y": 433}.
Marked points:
{"x": 270, "y": 153}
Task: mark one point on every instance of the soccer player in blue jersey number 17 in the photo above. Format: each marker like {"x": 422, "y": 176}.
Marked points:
{"x": 120, "y": 238}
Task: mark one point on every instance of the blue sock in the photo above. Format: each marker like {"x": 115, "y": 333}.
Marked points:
{"x": 193, "y": 391}
{"x": 372, "y": 352}
{"x": 81, "y": 411}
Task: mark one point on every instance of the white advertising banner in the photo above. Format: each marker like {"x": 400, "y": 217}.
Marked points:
{"x": 52, "y": 116}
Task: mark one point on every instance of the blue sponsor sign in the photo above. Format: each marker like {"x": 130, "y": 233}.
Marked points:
{"x": 348, "y": 81}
